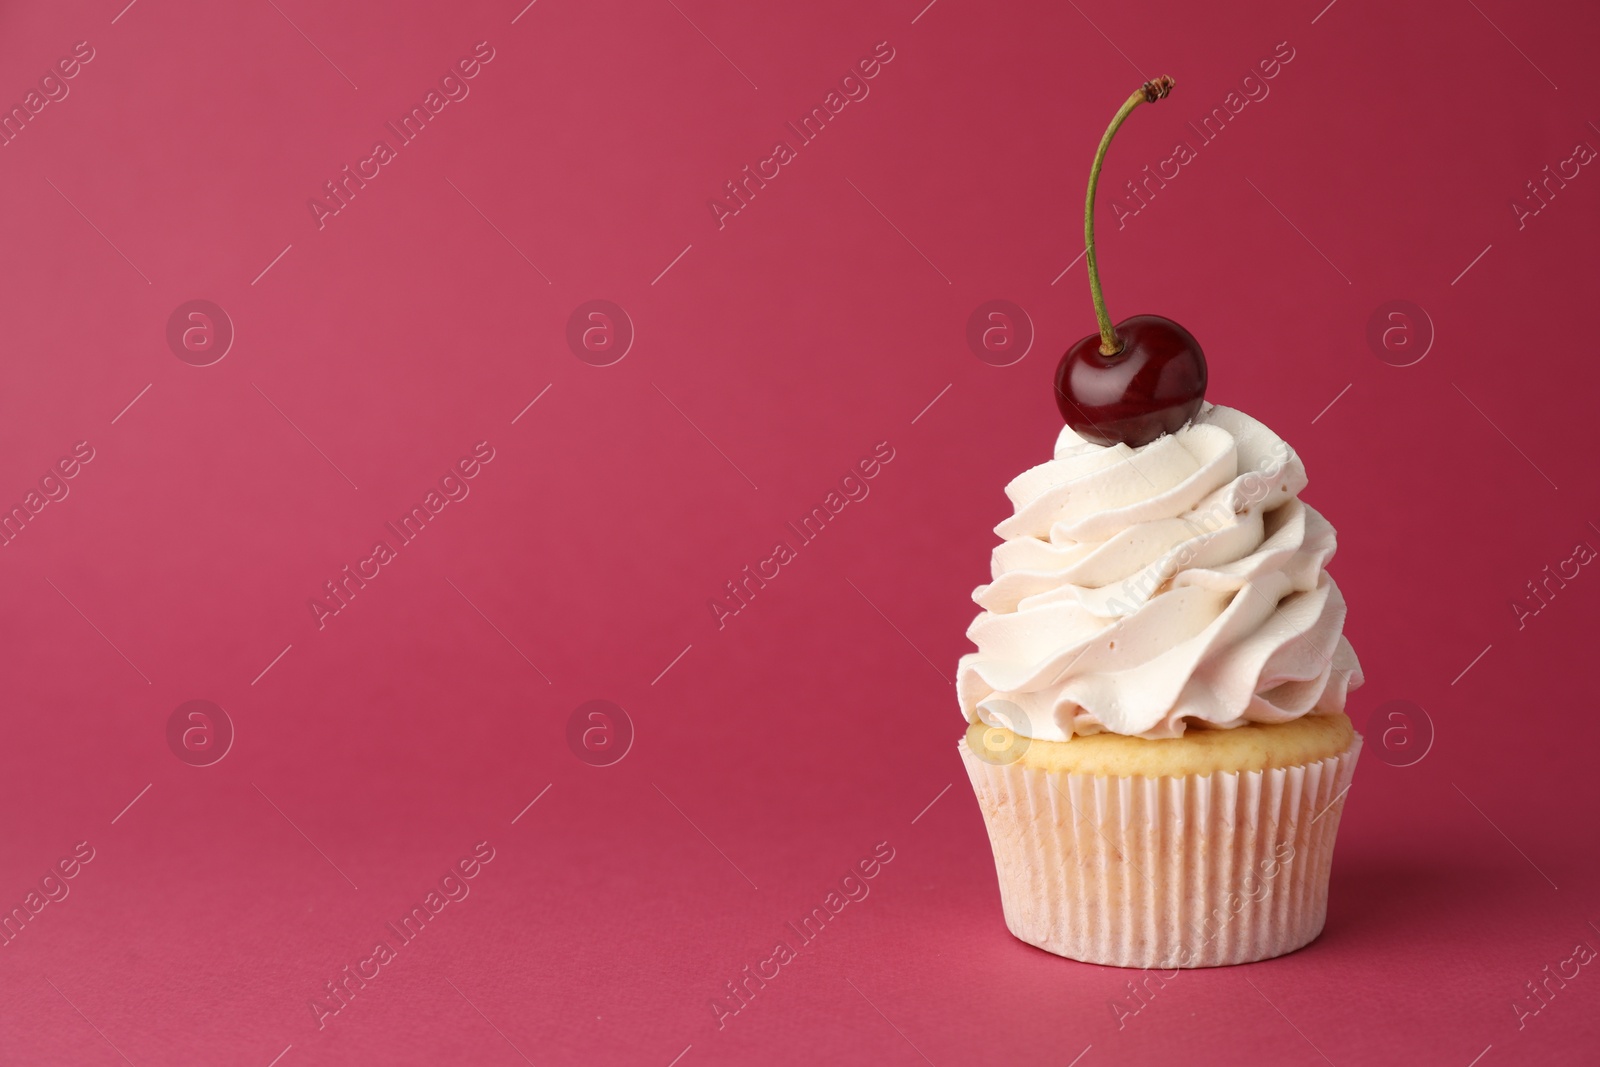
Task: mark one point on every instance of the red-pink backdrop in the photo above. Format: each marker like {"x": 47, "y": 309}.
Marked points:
{"x": 227, "y": 459}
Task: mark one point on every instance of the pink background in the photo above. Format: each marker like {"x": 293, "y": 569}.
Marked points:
{"x": 774, "y": 352}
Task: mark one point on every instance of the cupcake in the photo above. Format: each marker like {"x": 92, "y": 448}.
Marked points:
{"x": 1156, "y": 732}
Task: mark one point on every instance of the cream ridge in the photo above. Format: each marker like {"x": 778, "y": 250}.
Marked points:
{"x": 1139, "y": 591}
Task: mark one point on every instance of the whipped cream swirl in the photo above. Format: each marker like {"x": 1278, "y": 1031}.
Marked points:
{"x": 1139, "y": 590}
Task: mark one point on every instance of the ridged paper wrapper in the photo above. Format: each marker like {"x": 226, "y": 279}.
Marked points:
{"x": 1198, "y": 871}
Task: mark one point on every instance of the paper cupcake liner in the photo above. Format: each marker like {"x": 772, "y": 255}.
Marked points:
{"x": 1202, "y": 871}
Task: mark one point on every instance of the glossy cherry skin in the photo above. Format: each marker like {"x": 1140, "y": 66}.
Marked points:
{"x": 1153, "y": 386}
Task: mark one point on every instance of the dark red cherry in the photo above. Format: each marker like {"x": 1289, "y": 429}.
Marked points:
{"x": 1153, "y": 386}
{"x": 1144, "y": 377}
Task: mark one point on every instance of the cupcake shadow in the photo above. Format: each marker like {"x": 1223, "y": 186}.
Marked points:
{"x": 1376, "y": 899}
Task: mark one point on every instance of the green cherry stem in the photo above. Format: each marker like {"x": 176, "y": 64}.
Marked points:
{"x": 1149, "y": 92}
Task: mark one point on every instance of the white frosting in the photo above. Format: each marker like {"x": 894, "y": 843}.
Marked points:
{"x": 1140, "y": 588}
